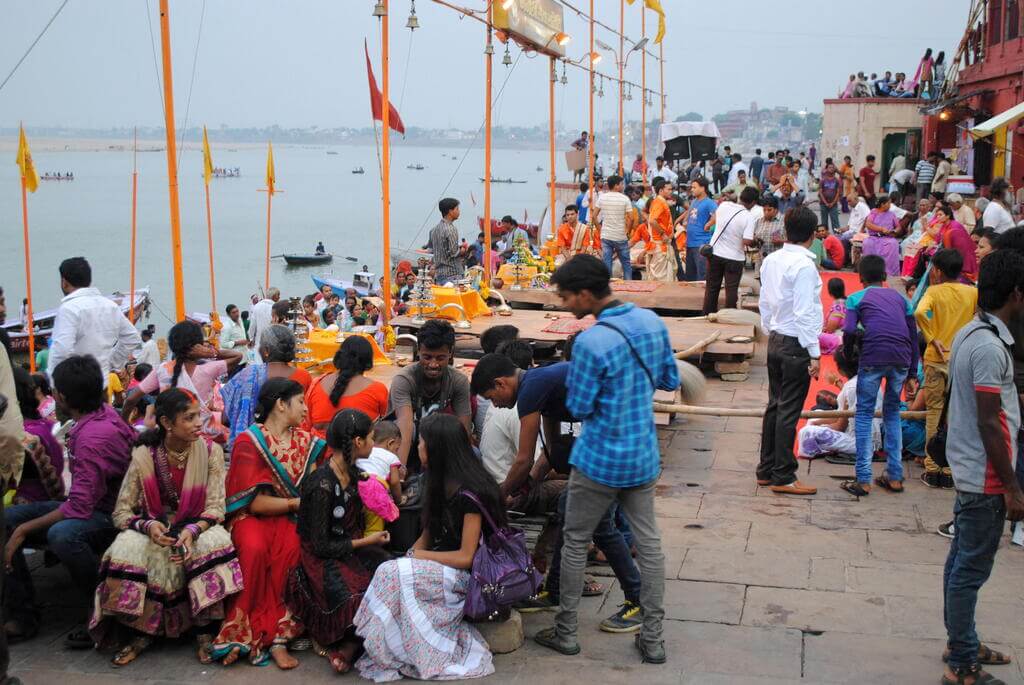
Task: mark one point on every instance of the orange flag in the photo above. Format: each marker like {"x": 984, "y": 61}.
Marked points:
{"x": 377, "y": 99}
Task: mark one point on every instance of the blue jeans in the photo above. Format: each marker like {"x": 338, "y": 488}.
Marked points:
{"x": 610, "y": 540}
{"x": 978, "y": 524}
{"x": 73, "y": 541}
{"x": 620, "y": 247}
{"x": 830, "y": 217}
{"x": 696, "y": 264}
{"x": 869, "y": 380}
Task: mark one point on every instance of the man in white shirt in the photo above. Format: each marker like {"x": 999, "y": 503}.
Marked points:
{"x": 89, "y": 323}
{"x": 961, "y": 212}
{"x": 996, "y": 215}
{"x": 150, "y": 353}
{"x": 734, "y": 231}
{"x": 791, "y": 314}
{"x": 738, "y": 165}
{"x": 899, "y": 179}
{"x": 260, "y": 319}
{"x": 662, "y": 171}
{"x": 614, "y": 212}
{"x": 233, "y": 336}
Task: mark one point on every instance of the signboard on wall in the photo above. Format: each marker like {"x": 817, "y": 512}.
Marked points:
{"x": 536, "y": 23}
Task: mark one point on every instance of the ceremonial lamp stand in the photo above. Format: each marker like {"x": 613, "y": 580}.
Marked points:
{"x": 422, "y": 296}
{"x": 303, "y": 354}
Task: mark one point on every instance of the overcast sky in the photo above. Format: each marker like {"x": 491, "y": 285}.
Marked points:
{"x": 300, "y": 63}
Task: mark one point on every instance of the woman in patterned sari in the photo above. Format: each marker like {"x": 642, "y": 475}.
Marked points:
{"x": 268, "y": 464}
{"x": 173, "y": 565}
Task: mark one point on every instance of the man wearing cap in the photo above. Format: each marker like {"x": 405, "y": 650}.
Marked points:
{"x": 961, "y": 212}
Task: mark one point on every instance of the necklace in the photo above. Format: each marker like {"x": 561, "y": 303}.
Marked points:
{"x": 177, "y": 459}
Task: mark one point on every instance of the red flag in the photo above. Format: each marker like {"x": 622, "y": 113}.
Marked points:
{"x": 377, "y": 99}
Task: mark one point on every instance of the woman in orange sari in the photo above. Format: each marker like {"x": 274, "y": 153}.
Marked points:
{"x": 346, "y": 388}
{"x": 268, "y": 464}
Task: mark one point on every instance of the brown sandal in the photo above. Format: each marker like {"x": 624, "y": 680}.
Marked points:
{"x": 890, "y": 485}
{"x": 980, "y": 677}
{"x": 131, "y": 651}
{"x": 986, "y": 656}
{"x": 592, "y": 588}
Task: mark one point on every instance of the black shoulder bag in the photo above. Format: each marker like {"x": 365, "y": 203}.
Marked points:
{"x": 708, "y": 249}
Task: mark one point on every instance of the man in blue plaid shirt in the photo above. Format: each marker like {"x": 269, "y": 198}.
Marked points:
{"x": 616, "y": 367}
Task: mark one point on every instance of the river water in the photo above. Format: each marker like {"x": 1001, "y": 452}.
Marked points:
{"x": 322, "y": 200}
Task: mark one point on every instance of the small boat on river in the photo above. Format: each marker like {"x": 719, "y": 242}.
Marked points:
{"x": 308, "y": 259}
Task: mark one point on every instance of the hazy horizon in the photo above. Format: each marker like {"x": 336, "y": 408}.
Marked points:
{"x": 302, "y": 64}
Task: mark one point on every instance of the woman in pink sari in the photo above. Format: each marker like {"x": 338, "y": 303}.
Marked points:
{"x": 881, "y": 226}
{"x": 953, "y": 235}
{"x": 173, "y": 564}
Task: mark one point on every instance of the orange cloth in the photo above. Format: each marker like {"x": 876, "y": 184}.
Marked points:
{"x": 507, "y": 274}
{"x": 302, "y": 377}
{"x": 470, "y": 300}
{"x": 323, "y": 344}
{"x": 372, "y": 401}
{"x": 643, "y": 234}
{"x": 565, "y": 234}
{"x": 660, "y": 223}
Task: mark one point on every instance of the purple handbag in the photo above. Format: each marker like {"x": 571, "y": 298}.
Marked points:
{"x": 503, "y": 572}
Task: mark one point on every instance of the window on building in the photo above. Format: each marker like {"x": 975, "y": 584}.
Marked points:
{"x": 1012, "y": 19}
{"x": 995, "y": 21}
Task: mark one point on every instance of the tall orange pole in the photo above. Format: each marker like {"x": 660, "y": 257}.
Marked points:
{"x": 209, "y": 244}
{"x": 29, "y": 324}
{"x": 661, "y": 61}
{"x": 622, "y": 86}
{"x": 590, "y": 148}
{"x": 488, "y": 60}
{"x": 386, "y": 161}
{"x": 643, "y": 93}
{"x": 551, "y": 148}
{"x": 266, "y": 263}
{"x": 135, "y": 197}
{"x": 172, "y": 163}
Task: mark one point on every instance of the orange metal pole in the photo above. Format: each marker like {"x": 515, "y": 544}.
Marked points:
{"x": 643, "y": 99}
{"x": 386, "y": 161}
{"x": 135, "y": 196}
{"x": 551, "y": 147}
{"x": 172, "y": 163}
{"x": 266, "y": 268}
{"x": 661, "y": 61}
{"x": 488, "y": 60}
{"x": 622, "y": 87}
{"x": 590, "y": 148}
{"x": 209, "y": 243}
{"x": 28, "y": 279}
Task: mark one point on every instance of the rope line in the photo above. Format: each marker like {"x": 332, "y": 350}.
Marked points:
{"x": 191, "y": 83}
{"x": 156, "y": 64}
{"x": 33, "y": 44}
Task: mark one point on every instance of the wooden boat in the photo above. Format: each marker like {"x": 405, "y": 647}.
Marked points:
{"x": 332, "y": 152}
{"x": 417, "y": 167}
{"x": 503, "y": 180}
{"x": 308, "y": 259}
{"x": 358, "y": 170}
{"x": 53, "y": 177}
{"x": 362, "y": 282}
{"x": 43, "y": 321}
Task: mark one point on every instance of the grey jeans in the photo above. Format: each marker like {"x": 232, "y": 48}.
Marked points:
{"x": 587, "y": 503}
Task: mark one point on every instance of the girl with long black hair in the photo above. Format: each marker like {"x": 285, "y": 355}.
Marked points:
{"x": 337, "y": 559}
{"x": 347, "y": 387}
{"x": 197, "y": 367}
{"x": 173, "y": 564}
{"x": 430, "y": 583}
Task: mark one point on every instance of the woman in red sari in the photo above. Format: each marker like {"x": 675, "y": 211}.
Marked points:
{"x": 268, "y": 463}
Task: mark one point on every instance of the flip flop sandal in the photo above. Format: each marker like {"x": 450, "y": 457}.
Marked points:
{"x": 890, "y": 485}
{"x": 841, "y": 459}
{"x": 79, "y": 638}
{"x": 854, "y": 488}
{"x": 592, "y": 588}
{"x": 986, "y": 657}
{"x": 131, "y": 651}
{"x": 980, "y": 677}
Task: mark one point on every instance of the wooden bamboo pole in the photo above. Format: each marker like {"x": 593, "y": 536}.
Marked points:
{"x": 135, "y": 197}
{"x": 172, "y": 164}
{"x": 386, "y": 161}
{"x": 758, "y": 412}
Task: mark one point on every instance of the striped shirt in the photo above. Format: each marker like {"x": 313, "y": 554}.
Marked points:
{"x": 444, "y": 243}
{"x": 609, "y": 391}
{"x": 925, "y": 171}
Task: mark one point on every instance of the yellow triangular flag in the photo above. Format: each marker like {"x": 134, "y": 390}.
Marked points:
{"x": 207, "y": 159}
{"x": 24, "y": 160}
{"x": 655, "y": 6}
{"x": 270, "y": 168}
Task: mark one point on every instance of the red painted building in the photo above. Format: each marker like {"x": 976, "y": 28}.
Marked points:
{"x": 983, "y": 80}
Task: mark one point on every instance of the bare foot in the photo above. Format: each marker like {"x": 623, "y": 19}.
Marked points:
{"x": 342, "y": 657}
{"x": 232, "y": 656}
{"x": 281, "y": 657}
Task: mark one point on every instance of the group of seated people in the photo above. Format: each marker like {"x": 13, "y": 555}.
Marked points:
{"x": 246, "y": 507}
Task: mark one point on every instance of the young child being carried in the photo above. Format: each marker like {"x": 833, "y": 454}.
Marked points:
{"x": 383, "y": 465}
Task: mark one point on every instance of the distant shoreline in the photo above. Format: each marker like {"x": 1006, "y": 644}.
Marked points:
{"x": 79, "y": 144}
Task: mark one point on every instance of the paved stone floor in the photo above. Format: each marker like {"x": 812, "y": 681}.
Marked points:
{"x": 760, "y": 588}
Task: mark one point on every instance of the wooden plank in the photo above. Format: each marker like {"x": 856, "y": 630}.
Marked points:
{"x": 682, "y": 296}
{"x": 683, "y": 332}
